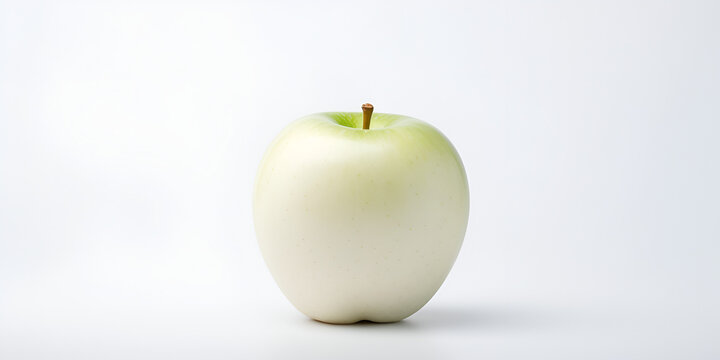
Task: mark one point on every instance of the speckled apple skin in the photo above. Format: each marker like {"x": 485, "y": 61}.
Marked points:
{"x": 360, "y": 224}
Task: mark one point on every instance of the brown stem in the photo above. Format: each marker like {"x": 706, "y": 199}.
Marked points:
{"x": 367, "y": 115}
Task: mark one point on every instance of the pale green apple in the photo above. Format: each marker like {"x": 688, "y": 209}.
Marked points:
{"x": 360, "y": 224}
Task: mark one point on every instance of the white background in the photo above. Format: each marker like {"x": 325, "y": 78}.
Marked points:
{"x": 130, "y": 133}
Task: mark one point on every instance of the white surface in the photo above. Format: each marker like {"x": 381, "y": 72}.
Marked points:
{"x": 130, "y": 134}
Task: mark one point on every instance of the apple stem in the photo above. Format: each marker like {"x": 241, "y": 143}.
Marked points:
{"x": 367, "y": 114}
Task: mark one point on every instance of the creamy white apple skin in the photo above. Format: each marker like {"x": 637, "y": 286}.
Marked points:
{"x": 360, "y": 224}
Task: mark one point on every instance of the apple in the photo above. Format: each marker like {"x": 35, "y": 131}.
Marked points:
{"x": 359, "y": 219}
